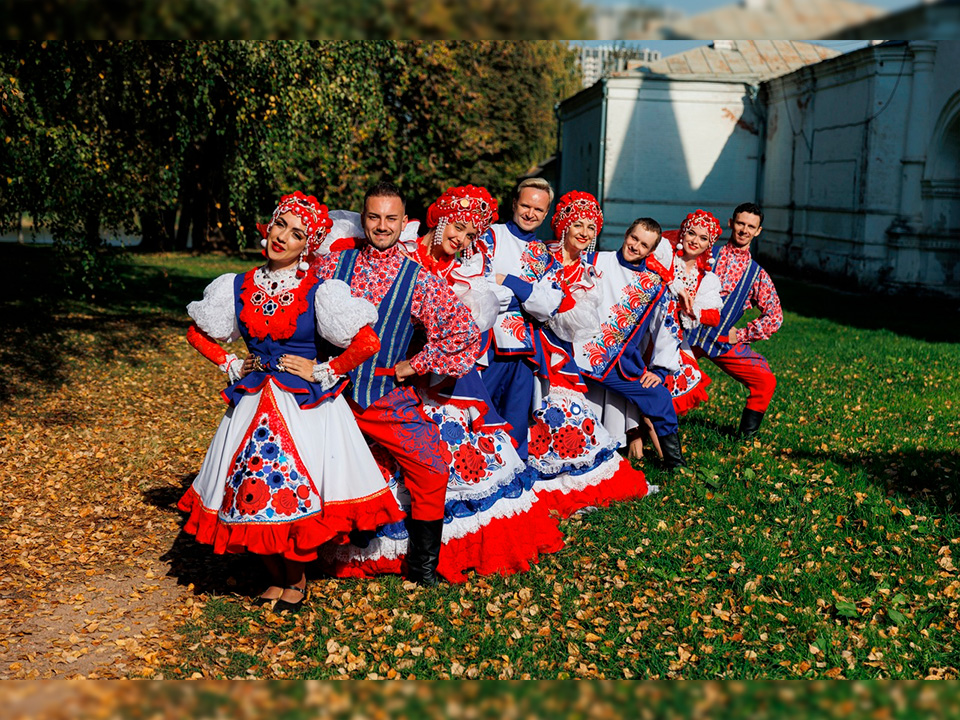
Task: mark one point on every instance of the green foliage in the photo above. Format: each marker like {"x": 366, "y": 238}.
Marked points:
{"x": 195, "y": 141}
{"x": 303, "y": 19}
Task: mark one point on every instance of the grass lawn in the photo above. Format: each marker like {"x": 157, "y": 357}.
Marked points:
{"x": 822, "y": 550}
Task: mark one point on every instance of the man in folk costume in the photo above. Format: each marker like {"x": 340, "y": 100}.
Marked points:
{"x": 743, "y": 285}
{"x": 387, "y": 408}
{"x": 527, "y": 283}
{"x": 634, "y": 312}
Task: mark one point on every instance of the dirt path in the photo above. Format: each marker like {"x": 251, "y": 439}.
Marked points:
{"x": 95, "y": 576}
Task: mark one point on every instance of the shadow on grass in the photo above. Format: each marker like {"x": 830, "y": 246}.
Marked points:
{"x": 920, "y": 318}
{"x": 43, "y": 327}
{"x": 192, "y": 563}
{"x": 926, "y": 475}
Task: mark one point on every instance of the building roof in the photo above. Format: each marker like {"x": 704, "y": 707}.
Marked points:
{"x": 735, "y": 60}
{"x": 755, "y": 19}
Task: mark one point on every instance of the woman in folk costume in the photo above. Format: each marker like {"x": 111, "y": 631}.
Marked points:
{"x": 569, "y": 447}
{"x": 288, "y": 469}
{"x": 492, "y": 520}
{"x": 684, "y": 260}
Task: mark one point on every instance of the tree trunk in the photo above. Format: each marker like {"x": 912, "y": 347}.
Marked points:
{"x": 154, "y": 237}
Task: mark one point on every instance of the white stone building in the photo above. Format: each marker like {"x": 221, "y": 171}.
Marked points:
{"x": 855, "y": 158}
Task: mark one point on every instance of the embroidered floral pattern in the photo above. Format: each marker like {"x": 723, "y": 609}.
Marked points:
{"x": 453, "y": 339}
{"x": 267, "y": 480}
{"x": 534, "y": 261}
{"x": 472, "y": 456}
{"x": 564, "y": 429}
{"x": 272, "y": 304}
{"x": 626, "y": 314}
{"x": 513, "y": 324}
{"x": 732, "y": 263}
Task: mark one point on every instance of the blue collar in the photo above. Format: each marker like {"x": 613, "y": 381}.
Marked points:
{"x": 639, "y": 267}
{"x": 518, "y": 233}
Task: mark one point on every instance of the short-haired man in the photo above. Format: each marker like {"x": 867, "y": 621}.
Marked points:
{"x": 528, "y": 287}
{"x": 634, "y": 312}
{"x": 743, "y": 285}
{"x": 386, "y": 407}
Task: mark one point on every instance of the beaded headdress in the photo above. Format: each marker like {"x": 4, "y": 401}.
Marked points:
{"x": 467, "y": 203}
{"x": 576, "y": 205}
{"x": 714, "y": 230}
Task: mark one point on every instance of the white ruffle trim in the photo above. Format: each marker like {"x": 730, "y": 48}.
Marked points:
{"x": 581, "y": 322}
{"x": 384, "y": 547}
{"x": 232, "y": 365}
{"x": 476, "y": 292}
{"x": 340, "y": 315}
{"x": 324, "y": 375}
{"x": 216, "y": 314}
{"x": 570, "y": 482}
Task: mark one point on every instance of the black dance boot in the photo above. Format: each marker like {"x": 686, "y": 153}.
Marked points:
{"x": 750, "y": 423}
{"x": 672, "y": 454}
{"x": 423, "y": 550}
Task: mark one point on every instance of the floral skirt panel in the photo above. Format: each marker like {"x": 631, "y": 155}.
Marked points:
{"x": 687, "y": 386}
{"x": 280, "y": 479}
{"x": 576, "y": 459}
{"x": 493, "y": 521}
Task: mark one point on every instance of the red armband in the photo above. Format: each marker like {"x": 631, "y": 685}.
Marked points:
{"x": 364, "y": 345}
{"x": 205, "y": 345}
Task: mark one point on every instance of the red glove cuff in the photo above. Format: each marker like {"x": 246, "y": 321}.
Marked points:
{"x": 205, "y": 345}
{"x": 364, "y": 345}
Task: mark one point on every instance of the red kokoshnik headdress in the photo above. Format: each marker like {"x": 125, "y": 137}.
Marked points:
{"x": 314, "y": 216}
{"x": 714, "y": 230}
{"x": 575, "y": 205}
{"x": 466, "y": 203}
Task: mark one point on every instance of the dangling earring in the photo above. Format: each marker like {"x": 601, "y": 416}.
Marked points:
{"x": 303, "y": 265}
{"x": 439, "y": 230}
{"x": 263, "y": 243}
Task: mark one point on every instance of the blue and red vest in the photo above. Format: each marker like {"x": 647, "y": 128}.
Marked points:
{"x": 374, "y": 378}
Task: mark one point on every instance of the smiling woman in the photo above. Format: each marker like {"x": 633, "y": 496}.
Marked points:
{"x": 288, "y": 469}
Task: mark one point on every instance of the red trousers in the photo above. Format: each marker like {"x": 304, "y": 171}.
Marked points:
{"x": 398, "y": 423}
{"x": 747, "y": 368}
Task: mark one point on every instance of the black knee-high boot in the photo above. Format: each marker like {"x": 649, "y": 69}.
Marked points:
{"x": 750, "y": 422}
{"x": 423, "y": 550}
{"x": 672, "y": 453}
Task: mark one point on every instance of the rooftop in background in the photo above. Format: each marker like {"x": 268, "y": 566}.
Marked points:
{"x": 749, "y": 19}
{"x": 746, "y": 60}
{"x": 774, "y": 18}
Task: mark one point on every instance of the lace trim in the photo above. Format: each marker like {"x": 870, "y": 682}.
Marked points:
{"x": 273, "y": 313}
{"x": 276, "y": 282}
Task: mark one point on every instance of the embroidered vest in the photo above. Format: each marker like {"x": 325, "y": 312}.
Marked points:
{"x": 707, "y": 338}
{"x": 394, "y": 328}
{"x": 303, "y": 341}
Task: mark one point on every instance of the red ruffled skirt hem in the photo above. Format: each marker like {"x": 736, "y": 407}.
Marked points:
{"x": 504, "y": 546}
{"x": 627, "y": 483}
{"x": 298, "y": 540}
{"x": 688, "y": 401}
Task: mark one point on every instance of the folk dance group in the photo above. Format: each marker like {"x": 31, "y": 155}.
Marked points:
{"x": 431, "y": 405}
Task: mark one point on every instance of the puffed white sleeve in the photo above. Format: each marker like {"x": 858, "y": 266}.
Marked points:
{"x": 663, "y": 252}
{"x": 581, "y": 322}
{"x": 708, "y": 298}
{"x": 476, "y": 291}
{"x": 346, "y": 224}
{"x": 665, "y": 338}
{"x": 216, "y": 314}
{"x": 544, "y": 298}
{"x": 340, "y": 315}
